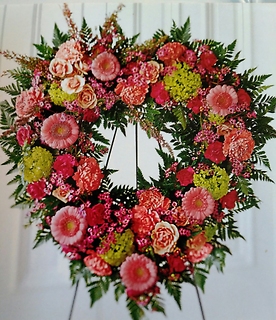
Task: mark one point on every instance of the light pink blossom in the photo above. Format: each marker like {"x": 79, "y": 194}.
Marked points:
{"x": 27, "y": 102}
{"x": 59, "y": 131}
{"x": 70, "y": 51}
{"x": 97, "y": 265}
{"x": 68, "y": 226}
{"x": 138, "y": 273}
{"x": 105, "y": 66}
{"x": 198, "y": 203}
{"x": 221, "y": 99}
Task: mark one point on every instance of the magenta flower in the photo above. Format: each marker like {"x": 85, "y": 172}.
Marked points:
{"x": 138, "y": 273}
{"x": 105, "y": 66}
{"x": 68, "y": 226}
{"x": 198, "y": 203}
{"x": 59, "y": 131}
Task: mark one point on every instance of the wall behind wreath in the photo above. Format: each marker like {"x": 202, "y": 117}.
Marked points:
{"x": 34, "y": 284}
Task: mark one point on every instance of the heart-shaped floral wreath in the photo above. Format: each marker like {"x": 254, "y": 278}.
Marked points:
{"x": 168, "y": 230}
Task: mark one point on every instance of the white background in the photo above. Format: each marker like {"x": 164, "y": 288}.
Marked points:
{"x": 34, "y": 284}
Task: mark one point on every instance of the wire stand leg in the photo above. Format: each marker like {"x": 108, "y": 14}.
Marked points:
{"x": 73, "y": 301}
{"x": 200, "y": 303}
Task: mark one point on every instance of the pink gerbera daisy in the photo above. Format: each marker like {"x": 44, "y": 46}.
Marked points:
{"x": 198, "y": 203}
{"x": 68, "y": 226}
{"x": 59, "y": 131}
{"x": 138, "y": 273}
{"x": 221, "y": 99}
{"x": 105, "y": 66}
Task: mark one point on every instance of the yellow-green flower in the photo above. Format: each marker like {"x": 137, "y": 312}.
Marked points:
{"x": 58, "y": 96}
{"x": 215, "y": 180}
{"x": 216, "y": 118}
{"x": 37, "y": 164}
{"x": 120, "y": 249}
{"x": 182, "y": 84}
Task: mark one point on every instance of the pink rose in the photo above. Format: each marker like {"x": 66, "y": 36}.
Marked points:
{"x": 64, "y": 165}
{"x": 36, "y": 189}
{"x": 143, "y": 220}
{"x": 73, "y": 84}
{"x": 244, "y": 98}
{"x": 70, "y": 51}
{"x": 229, "y": 200}
{"x": 97, "y": 265}
{"x": 27, "y": 102}
{"x": 105, "y": 66}
{"x": 159, "y": 94}
{"x": 95, "y": 215}
{"x": 89, "y": 175}
{"x": 214, "y": 152}
{"x": 150, "y": 70}
{"x": 165, "y": 236}
{"x": 87, "y": 97}
{"x": 185, "y": 176}
{"x": 207, "y": 60}
{"x": 23, "y": 135}
{"x": 60, "y": 68}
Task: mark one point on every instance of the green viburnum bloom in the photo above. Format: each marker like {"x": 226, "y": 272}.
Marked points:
{"x": 182, "y": 84}
{"x": 37, "y": 164}
{"x": 120, "y": 249}
{"x": 58, "y": 96}
{"x": 215, "y": 180}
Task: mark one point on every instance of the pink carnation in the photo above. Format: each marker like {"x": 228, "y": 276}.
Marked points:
{"x": 185, "y": 176}
{"x": 59, "y": 131}
{"x": 70, "y": 51}
{"x": 221, "y": 99}
{"x": 23, "y": 135}
{"x": 196, "y": 256}
{"x": 27, "y": 102}
{"x": 134, "y": 94}
{"x": 198, "y": 203}
{"x": 138, "y": 273}
{"x": 97, "y": 265}
{"x": 105, "y": 66}
{"x": 158, "y": 92}
{"x": 68, "y": 226}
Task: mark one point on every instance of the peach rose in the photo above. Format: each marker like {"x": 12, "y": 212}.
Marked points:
{"x": 238, "y": 144}
{"x": 70, "y": 51}
{"x": 153, "y": 199}
{"x": 150, "y": 70}
{"x": 87, "y": 98}
{"x": 165, "y": 236}
{"x": 60, "y": 68}
{"x": 73, "y": 84}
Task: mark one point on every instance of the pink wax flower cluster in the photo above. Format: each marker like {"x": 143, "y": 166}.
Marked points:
{"x": 210, "y": 125}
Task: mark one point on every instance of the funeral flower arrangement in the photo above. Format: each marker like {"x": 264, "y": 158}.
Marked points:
{"x": 168, "y": 230}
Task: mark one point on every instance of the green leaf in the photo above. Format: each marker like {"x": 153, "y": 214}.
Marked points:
{"x": 200, "y": 276}
{"x": 136, "y": 312}
{"x": 174, "y": 289}
{"x": 182, "y": 34}
{"x": 44, "y": 50}
{"x": 119, "y": 290}
{"x": 180, "y": 115}
{"x": 98, "y": 289}
{"x": 59, "y": 37}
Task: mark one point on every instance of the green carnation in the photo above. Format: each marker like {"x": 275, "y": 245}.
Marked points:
{"x": 182, "y": 84}
{"x": 58, "y": 96}
{"x": 37, "y": 164}
{"x": 120, "y": 248}
{"x": 215, "y": 180}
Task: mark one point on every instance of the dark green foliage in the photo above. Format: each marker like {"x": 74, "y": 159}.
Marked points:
{"x": 98, "y": 288}
{"x": 59, "y": 37}
{"x": 174, "y": 289}
{"x": 181, "y": 34}
{"x": 44, "y": 51}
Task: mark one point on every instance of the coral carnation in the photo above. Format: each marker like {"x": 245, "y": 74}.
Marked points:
{"x": 143, "y": 221}
{"x": 97, "y": 265}
{"x": 221, "y": 99}
{"x": 89, "y": 175}
{"x": 198, "y": 203}
{"x": 68, "y": 226}
{"x": 138, "y": 273}
{"x": 59, "y": 131}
